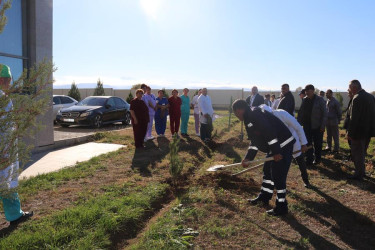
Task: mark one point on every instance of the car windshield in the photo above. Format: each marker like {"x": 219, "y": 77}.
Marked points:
{"x": 92, "y": 101}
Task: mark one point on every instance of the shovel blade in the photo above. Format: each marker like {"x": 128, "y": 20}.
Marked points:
{"x": 215, "y": 168}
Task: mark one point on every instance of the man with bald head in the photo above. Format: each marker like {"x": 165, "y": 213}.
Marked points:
{"x": 361, "y": 126}
{"x": 254, "y": 100}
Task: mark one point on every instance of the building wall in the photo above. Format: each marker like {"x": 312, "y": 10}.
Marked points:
{"x": 220, "y": 97}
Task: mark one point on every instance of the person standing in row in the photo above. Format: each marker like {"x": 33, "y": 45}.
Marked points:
{"x": 194, "y": 104}
{"x": 287, "y": 102}
{"x": 174, "y": 111}
{"x": 361, "y": 126}
{"x": 313, "y": 117}
{"x": 254, "y": 100}
{"x": 161, "y": 113}
{"x": 8, "y": 169}
{"x": 140, "y": 118}
{"x": 346, "y": 121}
{"x": 150, "y": 101}
{"x": 333, "y": 119}
{"x": 267, "y": 100}
{"x": 185, "y": 112}
{"x": 273, "y": 99}
{"x": 206, "y": 113}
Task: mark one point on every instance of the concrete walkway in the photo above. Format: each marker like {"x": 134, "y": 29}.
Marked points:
{"x": 55, "y": 160}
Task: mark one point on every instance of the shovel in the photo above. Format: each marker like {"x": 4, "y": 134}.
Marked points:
{"x": 219, "y": 167}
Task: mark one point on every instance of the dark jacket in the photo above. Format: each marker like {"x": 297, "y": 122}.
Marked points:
{"x": 318, "y": 113}
{"x": 333, "y": 112}
{"x": 266, "y": 132}
{"x": 287, "y": 103}
{"x": 258, "y": 100}
{"x": 362, "y": 116}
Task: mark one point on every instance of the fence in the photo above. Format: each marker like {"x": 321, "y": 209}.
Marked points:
{"x": 220, "y": 97}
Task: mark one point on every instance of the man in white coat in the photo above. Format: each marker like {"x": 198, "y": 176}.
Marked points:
{"x": 8, "y": 171}
{"x": 297, "y": 131}
{"x": 206, "y": 113}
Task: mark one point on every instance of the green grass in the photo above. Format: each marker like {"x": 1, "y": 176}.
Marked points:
{"x": 90, "y": 224}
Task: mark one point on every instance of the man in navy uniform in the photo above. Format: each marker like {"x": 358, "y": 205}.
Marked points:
{"x": 269, "y": 135}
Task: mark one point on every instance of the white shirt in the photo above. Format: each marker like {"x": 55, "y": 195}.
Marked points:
{"x": 276, "y": 103}
{"x": 292, "y": 124}
{"x": 194, "y": 102}
{"x": 205, "y": 107}
{"x": 9, "y": 175}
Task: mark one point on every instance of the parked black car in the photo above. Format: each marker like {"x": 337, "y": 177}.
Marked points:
{"x": 95, "y": 111}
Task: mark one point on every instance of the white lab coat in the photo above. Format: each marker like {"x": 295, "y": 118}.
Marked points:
{"x": 194, "y": 102}
{"x": 9, "y": 175}
{"x": 294, "y": 127}
{"x": 205, "y": 107}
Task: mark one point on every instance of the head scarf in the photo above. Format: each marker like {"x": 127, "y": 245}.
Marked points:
{"x": 5, "y": 71}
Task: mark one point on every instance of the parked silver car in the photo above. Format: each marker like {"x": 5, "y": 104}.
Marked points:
{"x": 62, "y": 101}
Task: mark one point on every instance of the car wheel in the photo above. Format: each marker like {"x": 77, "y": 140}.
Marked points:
{"x": 97, "y": 121}
{"x": 65, "y": 125}
{"x": 127, "y": 119}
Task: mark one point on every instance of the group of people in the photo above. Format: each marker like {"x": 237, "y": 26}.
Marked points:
{"x": 145, "y": 108}
{"x": 272, "y": 128}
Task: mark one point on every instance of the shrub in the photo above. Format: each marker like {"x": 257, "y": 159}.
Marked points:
{"x": 74, "y": 92}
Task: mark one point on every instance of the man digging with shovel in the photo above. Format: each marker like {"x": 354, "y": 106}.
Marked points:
{"x": 269, "y": 135}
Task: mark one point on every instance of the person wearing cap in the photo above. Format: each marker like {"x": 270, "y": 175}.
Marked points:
{"x": 313, "y": 117}
{"x": 9, "y": 173}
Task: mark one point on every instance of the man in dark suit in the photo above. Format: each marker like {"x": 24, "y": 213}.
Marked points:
{"x": 287, "y": 102}
{"x": 361, "y": 126}
{"x": 254, "y": 100}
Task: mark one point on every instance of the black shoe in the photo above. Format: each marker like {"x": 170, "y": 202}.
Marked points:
{"x": 307, "y": 185}
{"x": 355, "y": 177}
{"x": 257, "y": 201}
{"x": 316, "y": 162}
{"x": 277, "y": 212}
{"x": 24, "y": 217}
{"x": 326, "y": 150}
{"x": 309, "y": 164}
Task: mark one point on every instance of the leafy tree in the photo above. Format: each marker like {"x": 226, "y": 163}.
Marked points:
{"x": 166, "y": 95}
{"x": 74, "y": 92}
{"x": 339, "y": 98}
{"x": 3, "y": 19}
{"x": 130, "y": 97}
{"x": 99, "y": 90}
{"x": 136, "y": 86}
{"x": 31, "y": 97}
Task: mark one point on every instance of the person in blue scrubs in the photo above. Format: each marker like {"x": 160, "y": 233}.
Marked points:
{"x": 161, "y": 113}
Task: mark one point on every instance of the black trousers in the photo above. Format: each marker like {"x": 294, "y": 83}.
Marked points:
{"x": 315, "y": 138}
{"x": 205, "y": 131}
{"x": 275, "y": 175}
{"x": 359, "y": 151}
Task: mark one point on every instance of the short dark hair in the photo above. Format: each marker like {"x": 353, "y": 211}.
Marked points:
{"x": 267, "y": 95}
{"x": 303, "y": 92}
{"x": 174, "y": 91}
{"x": 285, "y": 85}
{"x": 329, "y": 90}
{"x": 273, "y": 95}
{"x": 139, "y": 91}
{"x": 239, "y": 104}
{"x": 309, "y": 87}
{"x": 143, "y": 86}
{"x": 160, "y": 90}
{"x": 321, "y": 92}
{"x": 356, "y": 83}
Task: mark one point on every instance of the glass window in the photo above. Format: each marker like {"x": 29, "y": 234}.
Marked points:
{"x": 119, "y": 103}
{"x": 92, "y": 101}
{"x": 15, "y": 65}
{"x": 66, "y": 100}
{"x": 11, "y": 38}
{"x": 56, "y": 100}
{"x": 111, "y": 102}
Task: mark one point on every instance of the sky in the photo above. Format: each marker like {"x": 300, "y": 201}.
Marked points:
{"x": 215, "y": 43}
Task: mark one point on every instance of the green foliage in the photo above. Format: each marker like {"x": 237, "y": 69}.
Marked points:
{"x": 175, "y": 165}
{"x": 136, "y": 86}
{"x": 20, "y": 122}
{"x": 3, "y": 19}
{"x": 99, "y": 90}
{"x": 339, "y": 98}
{"x": 91, "y": 223}
{"x": 130, "y": 97}
{"x": 166, "y": 95}
{"x": 74, "y": 92}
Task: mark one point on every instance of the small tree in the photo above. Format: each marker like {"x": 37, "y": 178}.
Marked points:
{"x": 165, "y": 93}
{"x": 175, "y": 165}
{"x": 339, "y": 98}
{"x": 3, "y": 18}
{"x": 74, "y": 92}
{"x": 130, "y": 97}
{"x": 99, "y": 90}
